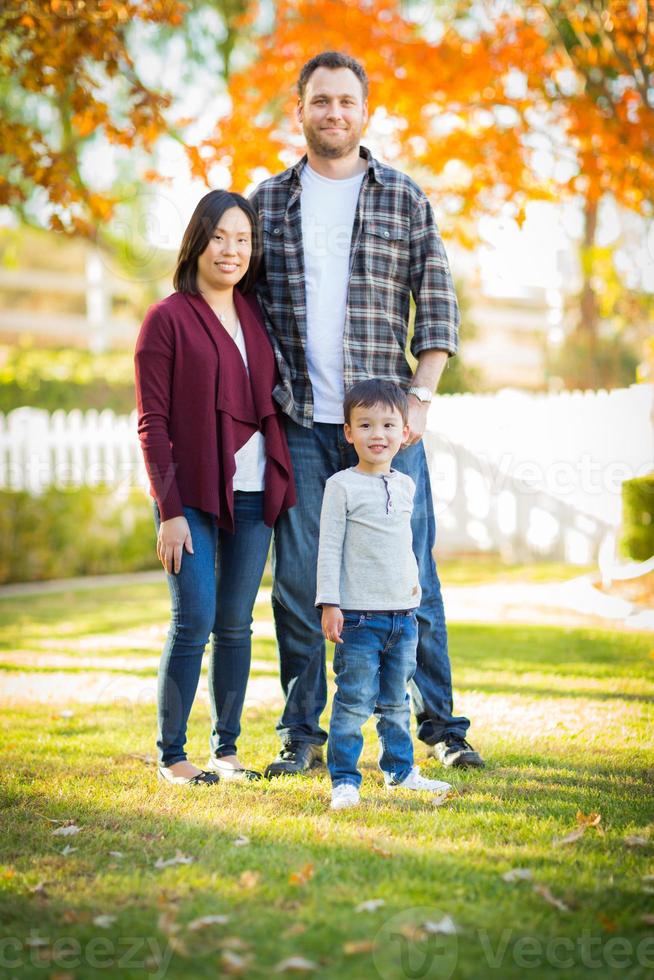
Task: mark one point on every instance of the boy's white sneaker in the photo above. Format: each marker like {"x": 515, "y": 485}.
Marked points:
{"x": 344, "y": 795}
{"x": 415, "y": 781}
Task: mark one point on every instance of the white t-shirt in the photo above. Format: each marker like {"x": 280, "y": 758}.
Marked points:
{"x": 328, "y": 209}
{"x": 250, "y": 458}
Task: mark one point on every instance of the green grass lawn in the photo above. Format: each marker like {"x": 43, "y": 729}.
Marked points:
{"x": 563, "y": 716}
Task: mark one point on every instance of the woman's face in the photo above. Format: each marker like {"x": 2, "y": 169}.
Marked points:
{"x": 226, "y": 258}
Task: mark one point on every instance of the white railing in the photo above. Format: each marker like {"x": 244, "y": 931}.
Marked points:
{"x": 520, "y": 473}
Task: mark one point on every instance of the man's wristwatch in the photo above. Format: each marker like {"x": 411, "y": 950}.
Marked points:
{"x": 422, "y": 394}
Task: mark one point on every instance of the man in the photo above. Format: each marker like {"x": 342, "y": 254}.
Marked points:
{"x": 347, "y": 240}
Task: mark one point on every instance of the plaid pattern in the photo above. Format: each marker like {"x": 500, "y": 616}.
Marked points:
{"x": 396, "y": 251}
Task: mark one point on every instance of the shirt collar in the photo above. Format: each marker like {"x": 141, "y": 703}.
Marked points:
{"x": 373, "y": 167}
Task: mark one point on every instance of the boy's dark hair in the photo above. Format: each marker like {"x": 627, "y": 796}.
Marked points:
{"x": 332, "y": 59}
{"x": 376, "y": 391}
{"x": 204, "y": 219}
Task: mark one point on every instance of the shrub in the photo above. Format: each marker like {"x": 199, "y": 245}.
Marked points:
{"x": 64, "y": 533}
{"x": 638, "y": 517}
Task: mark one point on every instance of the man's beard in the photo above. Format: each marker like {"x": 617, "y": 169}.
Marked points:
{"x": 331, "y": 151}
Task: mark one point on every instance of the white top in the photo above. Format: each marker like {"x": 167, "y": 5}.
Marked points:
{"x": 328, "y": 209}
{"x": 365, "y": 556}
{"x": 250, "y": 458}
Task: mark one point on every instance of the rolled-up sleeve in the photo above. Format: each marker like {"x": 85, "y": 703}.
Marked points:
{"x": 333, "y": 519}
{"x": 437, "y": 310}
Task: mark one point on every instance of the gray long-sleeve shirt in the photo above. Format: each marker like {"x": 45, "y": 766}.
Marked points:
{"x": 365, "y": 556}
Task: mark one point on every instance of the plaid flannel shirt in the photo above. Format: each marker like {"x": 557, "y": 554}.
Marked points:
{"x": 396, "y": 250}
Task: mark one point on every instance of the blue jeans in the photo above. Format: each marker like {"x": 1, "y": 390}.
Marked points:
{"x": 213, "y": 594}
{"x": 317, "y": 454}
{"x": 373, "y": 667}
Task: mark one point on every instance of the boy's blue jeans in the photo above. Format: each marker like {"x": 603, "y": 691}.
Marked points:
{"x": 213, "y": 594}
{"x": 373, "y": 667}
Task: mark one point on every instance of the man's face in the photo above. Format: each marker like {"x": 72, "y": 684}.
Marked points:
{"x": 333, "y": 112}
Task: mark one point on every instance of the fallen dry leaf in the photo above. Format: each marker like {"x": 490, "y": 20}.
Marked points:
{"x": 648, "y": 919}
{"x": 301, "y": 876}
{"x": 636, "y": 840}
{"x": 39, "y": 889}
{"x": 148, "y": 760}
{"x": 178, "y": 859}
{"x": 371, "y": 905}
{"x": 570, "y": 838}
{"x": 233, "y": 942}
{"x": 363, "y": 946}
{"x": 517, "y": 874}
{"x": 607, "y": 924}
{"x": 116, "y": 854}
{"x": 68, "y": 850}
{"x": 104, "y": 921}
{"x": 551, "y": 899}
{"x": 440, "y": 798}
{"x": 446, "y": 927}
{"x": 295, "y": 964}
{"x": 233, "y": 964}
{"x": 207, "y": 920}
{"x": 382, "y": 851}
{"x": 295, "y": 930}
{"x": 249, "y": 879}
{"x": 68, "y": 830}
{"x": 241, "y": 841}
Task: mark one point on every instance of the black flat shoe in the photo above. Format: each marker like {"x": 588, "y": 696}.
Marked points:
{"x": 202, "y": 778}
{"x": 294, "y": 758}
{"x": 228, "y": 774}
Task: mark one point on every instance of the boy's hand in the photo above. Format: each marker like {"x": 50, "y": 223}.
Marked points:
{"x": 332, "y": 623}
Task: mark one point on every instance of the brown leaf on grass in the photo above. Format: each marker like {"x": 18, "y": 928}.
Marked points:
{"x": 608, "y": 925}
{"x": 551, "y": 899}
{"x": 636, "y": 840}
{"x": 648, "y": 919}
{"x": 381, "y": 851}
{"x": 249, "y": 879}
{"x": 68, "y": 850}
{"x": 570, "y": 838}
{"x": 233, "y": 942}
{"x": 178, "y": 859}
{"x": 588, "y": 819}
{"x": 412, "y": 932}
{"x": 241, "y": 841}
{"x": 295, "y": 930}
{"x": 68, "y": 830}
{"x": 38, "y": 889}
{"x": 445, "y": 927}
{"x": 70, "y": 917}
{"x": 302, "y": 875}
{"x": 371, "y": 905}
{"x": 148, "y": 760}
{"x": 207, "y": 920}
{"x": 233, "y": 964}
{"x": 362, "y": 946}
{"x": 517, "y": 874}
{"x": 295, "y": 964}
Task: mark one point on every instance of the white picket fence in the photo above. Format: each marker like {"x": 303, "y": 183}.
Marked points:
{"x": 523, "y": 474}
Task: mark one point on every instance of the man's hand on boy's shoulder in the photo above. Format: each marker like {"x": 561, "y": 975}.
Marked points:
{"x": 332, "y": 623}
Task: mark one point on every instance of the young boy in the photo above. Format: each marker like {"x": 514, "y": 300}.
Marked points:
{"x": 368, "y": 589}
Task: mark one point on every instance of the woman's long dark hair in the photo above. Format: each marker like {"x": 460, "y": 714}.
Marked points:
{"x": 199, "y": 231}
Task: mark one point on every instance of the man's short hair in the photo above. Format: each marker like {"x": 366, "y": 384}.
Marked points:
{"x": 376, "y": 391}
{"x": 332, "y": 59}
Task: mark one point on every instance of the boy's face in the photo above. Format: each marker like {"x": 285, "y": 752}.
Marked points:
{"x": 377, "y": 433}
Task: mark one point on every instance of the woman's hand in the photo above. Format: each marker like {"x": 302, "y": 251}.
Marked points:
{"x": 174, "y": 535}
{"x": 332, "y": 623}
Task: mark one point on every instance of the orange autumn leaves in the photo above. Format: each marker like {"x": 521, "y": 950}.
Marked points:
{"x": 72, "y": 76}
{"x": 472, "y": 104}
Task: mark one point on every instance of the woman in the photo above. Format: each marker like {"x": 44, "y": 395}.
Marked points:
{"x": 219, "y": 470}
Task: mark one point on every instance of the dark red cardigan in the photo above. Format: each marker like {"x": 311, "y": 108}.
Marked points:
{"x": 195, "y": 409}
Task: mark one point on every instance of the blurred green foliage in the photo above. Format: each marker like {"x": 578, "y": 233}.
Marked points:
{"x": 66, "y": 378}
{"x": 63, "y": 533}
{"x": 586, "y": 362}
{"x": 638, "y": 518}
